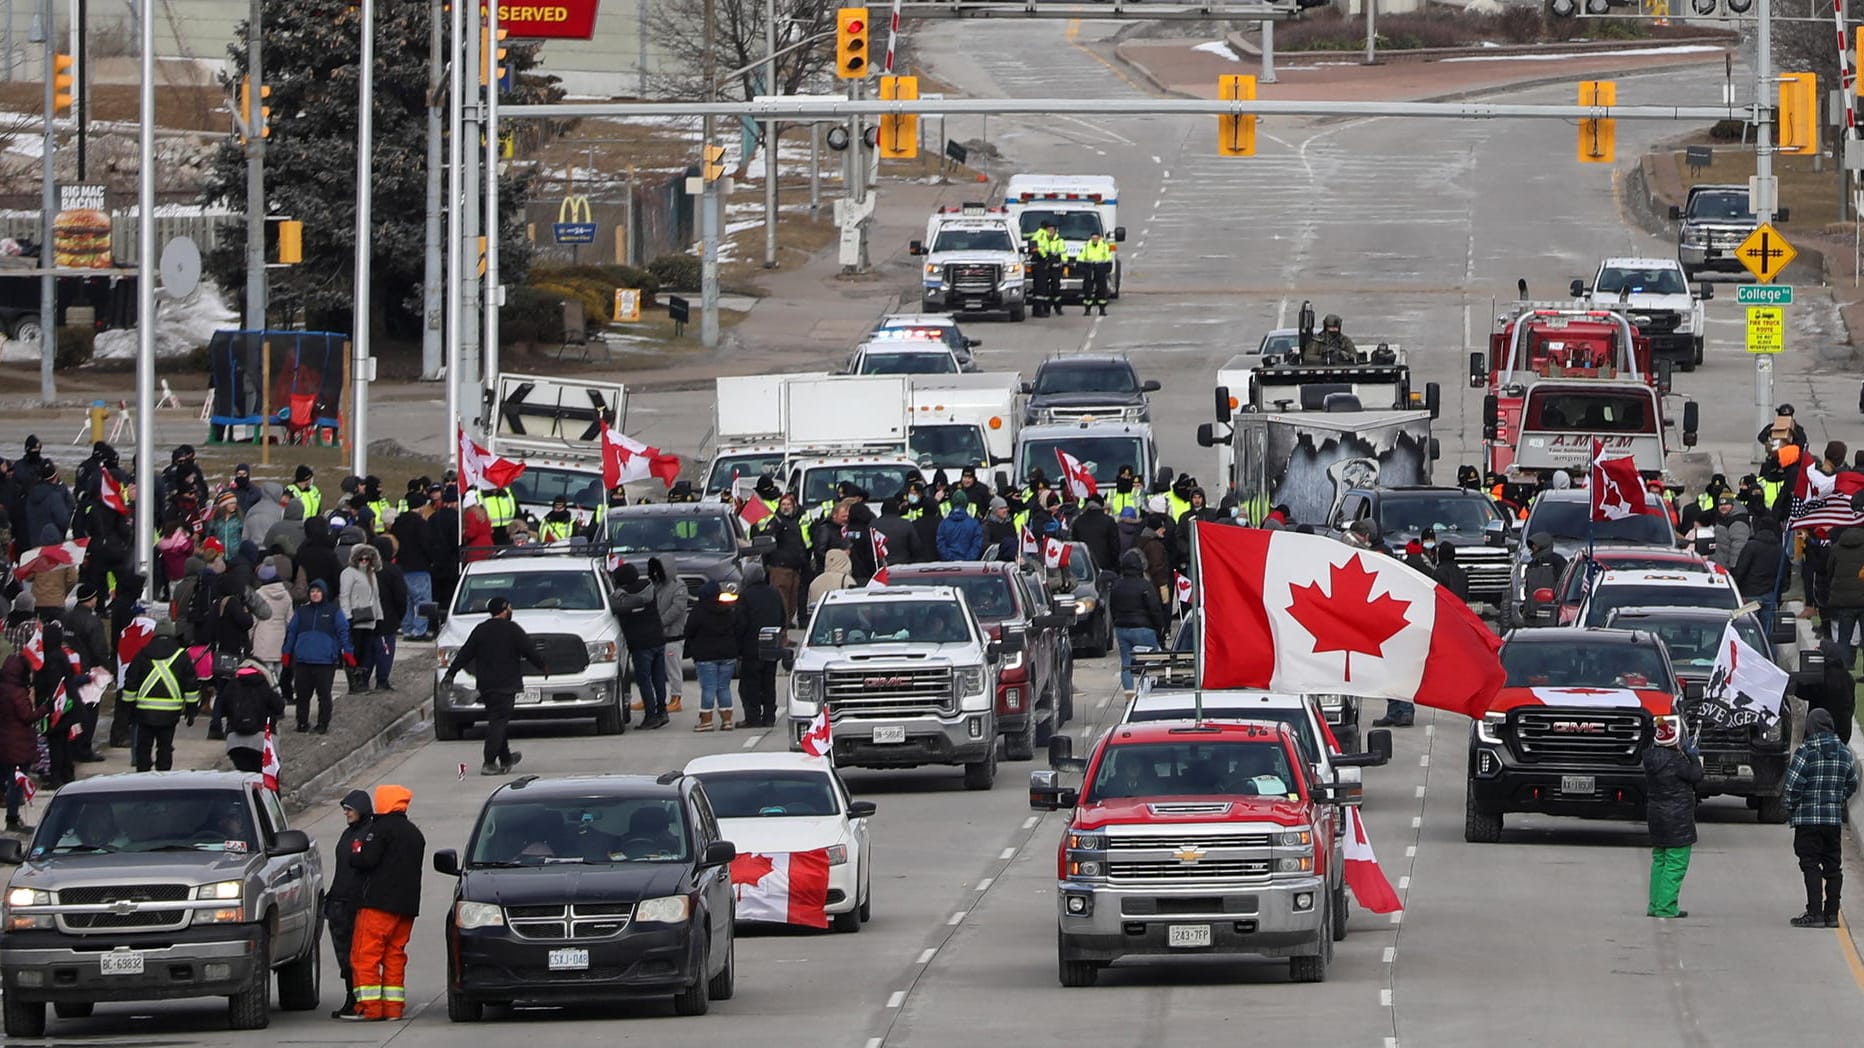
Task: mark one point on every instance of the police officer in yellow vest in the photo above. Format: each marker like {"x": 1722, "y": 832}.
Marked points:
{"x": 161, "y": 688}
{"x": 557, "y": 524}
{"x": 305, "y": 491}
{"x": 1125, "y": 494}
{"x": 617, "y": 498}
{"x": 1096, "y": 262}
{"x": 380, "y": 511}
{"x": 502, "y": 508}
{"x": 1046, "y": 252}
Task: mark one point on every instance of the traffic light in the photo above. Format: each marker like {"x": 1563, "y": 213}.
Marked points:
{"x": 713, "y": 168}
{"x": 851, "y": 43}
{"x": 1799, "y": 113}
{"x": 253, "y": 119}
{"x": 899, "y": 132}
{"x": 62, "y": 84}
{"x": 290, "y": 242}
{"x": 1597, "y": 138}
{"x": 486, "y": 54}
{"x": 1236, "y": 132}
{"x": 1857, "y": 56}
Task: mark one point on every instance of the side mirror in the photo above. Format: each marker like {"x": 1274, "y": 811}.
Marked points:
{"x": 1012, "y": 642}
{"x": 1027, "y": 388}
{"x": 1222, "y": 413}
{"x": 12, "y": 851}
{"x": 1478, "y": 371}
{"x": 1543, "y": 595}
{"x": 1346, "y": 794}
{"x": 1433, "y": 399}
{"x": 1496, "y": 532}
{"x": 447, "y": 861}
{"x": 973, "y": 343}
{"x": 1046, "y": 793}
{"x": 1491, "y": 416}
{"x": 719, "y": 853}
{"x": 1676, "y": 213}
{"x": 915, "y": 248}
{"x": 1379, "y": 741}
{"x": 1150, "y": 385}
{"x": 427, "y": 609}
{"x": 993, "y": 652}
{"x": 1692, "y": 418}
{"x": 1119, "y": 234}
{"x": 861, "y": 809}
{"x": 1577, "y": 289}
{"x": 1206, "y": 435}
{"x": 758, "y": 546}
{"x": 291, "y": 842}
{"x": 1707, "y": 292}
{"x": 1060, "y": 751}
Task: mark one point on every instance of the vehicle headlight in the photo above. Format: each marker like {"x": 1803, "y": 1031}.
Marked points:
{"x": 807, "y": 687}
{"x": 1686, "y": 323}
{"x": 28, "y": 897}
{"x": 220, "y": 890}
{"x": 443, "y": 656}
{"x": 601, "y": 650}
{"x": 971, "y": 678}
{"x": 931, "y": 269}
{"x": 1014, "y": 269}
{"x": 478, "y": 915}
{"x": 837, "y": 854}
{"x": 1489, "y": 728}
{"x": 1294, "y": 839}
{"x": 669, "y": 909}
{"x": 1087, "y": 841}
{"x": 1692, "y": 237}
{"x": 1084, "y": 607}
{"x": 1294, "y": 864}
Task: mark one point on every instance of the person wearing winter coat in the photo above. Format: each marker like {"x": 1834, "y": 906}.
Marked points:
{"x": 960, "y": 535}
{"x": 1449, "y": 574}
{"x": 172, "y": 552}
{"x": 349, "y": 537}
{"x": 49, "y": 508}
{"x": 50, "y": 585}
{"x": 1732, "y": 528}
{"x": 391, "y": 855}
{"x": 317, "y": 556}
{"x": 858, "y": 533}
{"x": 790, "y": 559}
{"x": 19, "y": 734}
{"x": 1138, "y": 614}
{"x": 263, "y": 512}
{"x": 1152, "y": 546}
{"x": 671, "y": 598}
{"x": 286, "y": 536}
{"x": 360, "y": 597}
{"x": 1100, "y": 532}
{"x": 835, "y": 575}
{"x": 1821, "y": 779}
{"x": 1835, "y": 691}
{"x": 1671, "y": 771}
{"x": 392, "y": 586}
{"x": 712, "y": 642}
{"x": 759, "y": 608}
{"x": 1757, "y": 568}
{"x": 226, "y": 524}
{"x": 897, "y": 532}
{"x": 1843, "y": 607}
{"x": 443, "y": 537}
{"x": 496, "y": 651}
{"x": 86, "y": 635}
{"x": 316, "y": 640}
{"x": 476, "y": 539}
{"x": 414, "y": 555}
{"x": 268, "y": 632}
{"x": 343, "y": 895}
{"x": 639, "y": 612}
{"x": 161, "y": 688}
{"x": 251, "y": 691}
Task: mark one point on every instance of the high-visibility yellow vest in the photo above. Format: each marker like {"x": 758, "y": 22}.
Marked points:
{"x": 168, "y": 698}
{"x": 379, "y": 509}
{"x": 311, "y": 498}
{"x": 1092, "y": 252}
{"x": 556, "y": 530}
{"x": 501, "y": 509}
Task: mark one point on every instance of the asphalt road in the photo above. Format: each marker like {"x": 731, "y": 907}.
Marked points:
{"x": 1411, "y": 231}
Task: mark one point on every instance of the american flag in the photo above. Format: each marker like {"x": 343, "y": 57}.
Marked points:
{"x": 1830, "y": 513}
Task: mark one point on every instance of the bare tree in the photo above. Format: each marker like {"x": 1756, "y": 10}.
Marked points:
{"x": 739, "y": 42}
{"x": 1810, "y": 46}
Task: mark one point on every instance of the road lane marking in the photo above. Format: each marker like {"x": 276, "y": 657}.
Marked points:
{"x": 1410, "y": 851}
{"x": 1030, "y": 822}
{"x": 1420, "y": 790}
{"x": 751, "y": 743}
{"x": 875, "y": 1042}
{"x": 1404, "y": 882}
{"x": 1423, "y": 760}
{"x": 1391, "y": 954}
{"x": 1398, "y": 917}
{"x": 957, "y": 918}
{"x": 1008, "y": 853}
{"x": 1156, "y": 160}
{"x": 984, "y": 885}
{"x": 1430, "y": 729}
{"x": 1385, "y": 998}
{"x": 926, "y": 957}
{"x": 897, "y": 998}
{"x": 1852, "y": 961}
{"x": 1417, "y": 821}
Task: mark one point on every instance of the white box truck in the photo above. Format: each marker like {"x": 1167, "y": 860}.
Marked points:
{"x": 964, "y": 420}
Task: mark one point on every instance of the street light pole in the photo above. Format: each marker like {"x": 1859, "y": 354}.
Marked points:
{"x": 455, "y": 274}
{"x": 359, "y": 318}
{"x": 48, "y": 210}
{"x": 433, "y": 297}
{"x": 494, "y": 292}
{"x": 145, "y": 306}
{"x": 770, "y": 141}
{"x": 1766, "y": 188}
{"x": 255, "y": 171}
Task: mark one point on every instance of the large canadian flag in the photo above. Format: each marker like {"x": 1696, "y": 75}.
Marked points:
{"x": 480, "y": 470}
{"x": 784, "y": 888}
{"x": 1617, "y": 492}
{"x": 625, "y": 458}
{"x": 1287, "y": 612}
{"x": 1363, "y": 874}
{"x": 110, "y": 492}
{"x": 1076, "y": 478}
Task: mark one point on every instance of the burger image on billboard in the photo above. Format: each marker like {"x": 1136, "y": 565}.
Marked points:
{"x": 81, "y": 239}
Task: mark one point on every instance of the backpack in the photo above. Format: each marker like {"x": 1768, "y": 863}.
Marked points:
{"x": 200, "y": 608}
{"x": 245, "y": 710}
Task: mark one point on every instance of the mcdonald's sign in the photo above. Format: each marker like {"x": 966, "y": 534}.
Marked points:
{"x": 575, "y": 221}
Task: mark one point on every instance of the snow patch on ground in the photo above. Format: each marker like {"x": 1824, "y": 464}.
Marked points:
{"x": 1630, "y": 52}
{"x": 181, "y": 326}
{"x": 1220, "y": 48}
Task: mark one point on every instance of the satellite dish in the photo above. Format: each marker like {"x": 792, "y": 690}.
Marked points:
{"x": 181, "y": 267}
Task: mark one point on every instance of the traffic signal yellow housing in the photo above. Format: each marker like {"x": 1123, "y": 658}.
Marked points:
{"x": 486, "y": 54}
{"x": 1799, "y": 113}
{"x": 1857, "y": 56}
{"x": 899, "y": 132}
{"x": 290, "y": 242}
{"x": 254, "y": 118}
{"x": 63, "y": 83}
{"x": 1236, "y": 132}
{"x": 1598, "y": 138}
{"x": 714, "y": 168}
{"x": 851, "y": 50}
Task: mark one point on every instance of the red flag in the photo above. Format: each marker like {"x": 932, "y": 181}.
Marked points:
{"x": 136, "y": 636}
{"x": 818, "y": 740}
{"x": 268, "y": 761}
{"x": 1617, "y": 492}
{"x": 880, "y": 545}
{"x": 110, "y": 493}
{"x": 1182, "y": 586}
{"x": 1028, "y": 540}
{"x": 1363, "y": 875}
{"x": 1055, "y": 553}
{"x": 34, "y": 651}
{"x": 27, "y": 790}
{"x": 482, "y": 470}
{"x": 1287, "y": 612}
{"x": 625, "y": 459}
{"x": 46, "y": 558}
{"x": 782, "y": 887}
{"x": 1075, "y": 477}
{"x": 879, "y": 581}
{"x": 754, "y": 511}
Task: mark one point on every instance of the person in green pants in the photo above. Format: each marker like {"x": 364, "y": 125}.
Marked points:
{"x": 1671, "y": 771}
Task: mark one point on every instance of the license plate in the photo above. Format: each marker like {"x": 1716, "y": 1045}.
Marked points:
{"x": 1187, "y": 936}
{"x": 569, "y": 960}
{"x": 532, "y": 695}
{"x": 122, "y": 962}
{"x": 890, "y": 733}
{"x": 1580, "y": 784}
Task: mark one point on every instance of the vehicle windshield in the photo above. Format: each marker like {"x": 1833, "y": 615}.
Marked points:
{"x": 1569, "y": 520}
{"x": 1096, "y": 378}
{"x": 1276, "y": 343}
{"x": 1641, "y": 282}
{"x": 921, "y": 363}
{"x": 1296, "y": 719}
{"x": 880, "y": 481}
{"x": 579, "y": 830}
{"x": 889, "y": 622}
{"x": 1580, "y": 412}
{"x": 1081, "y": 566}
{"x": 530, "y": 590}
{"x": 681, "y": 533}
{"x": 156, "y": 820}
{"x": 542, "y": 485}
{"x": 988, "y": 594}
{"x": 729, "y": 468}
{"x": 1103, "y": 456}
{"x": 1725, "y": 206}
{"x": 1193, "y": 769}
{"x": 1694, "y": 643}
{"x": 1606, "y": 599}
{"x": 948, "y": 445}
{"x": 997, "y": 240}
{"x": 1077, "y": 224}
{"x": 1564, "y": 665}
{"x": 1445, "y": 514}
{"x": 770, "y": 794}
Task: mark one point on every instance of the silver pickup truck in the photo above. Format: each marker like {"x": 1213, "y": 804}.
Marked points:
{"x": 155, "y": 887}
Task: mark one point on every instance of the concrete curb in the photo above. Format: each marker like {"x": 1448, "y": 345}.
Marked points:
{"x": 340, "y": 774}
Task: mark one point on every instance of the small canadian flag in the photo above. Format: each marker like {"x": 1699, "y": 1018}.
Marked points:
{"x": 1181, "y": 585}
{"x": 817, "y": 741}
{"x": 26, "y": 788}
{"x": 754, "y": 512}
{"x": 1030, "y": 547}
{"x": 1363, "y": 875}
{"x": 1055, "y": 553}
{"x": 880, "y": 545}
{"x": 879, "y": 581}
{"x": 268, "y": 761}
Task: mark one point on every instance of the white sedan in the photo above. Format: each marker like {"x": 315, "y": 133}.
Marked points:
{"x": 789, "y": 810}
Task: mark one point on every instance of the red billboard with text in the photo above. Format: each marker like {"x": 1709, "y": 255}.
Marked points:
{"x": 549, "y": 19}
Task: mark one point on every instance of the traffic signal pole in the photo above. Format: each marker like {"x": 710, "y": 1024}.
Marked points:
{"x": 708, "y": 196}
{"x": 48, "y": 209}
{"x": 144, "y": 508}
{"x": 365, "y": 248}
{"x": 255, "y": 170}
{"x": 1767, "y": 190}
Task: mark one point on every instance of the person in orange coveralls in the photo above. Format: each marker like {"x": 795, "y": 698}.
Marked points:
{"x": 390, "y": 857}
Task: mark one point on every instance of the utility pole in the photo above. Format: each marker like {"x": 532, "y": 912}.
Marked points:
{"x": 145, "y": 306}
{"x": 433, "y": 294}
{"x": 494, "y": 291}
{"x": 770, "y": 141}
{"x": 360, "y": 363}
{"x": 1372, "y": 36}
{"x": 456, "y": 273}
{"x": 468, "y": 276}
{"x": 81, "y": 83}
{"x": 1268, "y": 51}
{"x": 48, "y": 209}
{"x": 253, "y": 122}
{"x": 1767, "y": 190}
{"x": 708, "y": 197}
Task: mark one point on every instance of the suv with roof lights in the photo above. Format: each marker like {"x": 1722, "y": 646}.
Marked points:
{"x": 1610, "y": 590}
{"x": 973, "y": 262}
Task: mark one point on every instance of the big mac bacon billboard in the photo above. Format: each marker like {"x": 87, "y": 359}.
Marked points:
{"x": 548, "y": 19}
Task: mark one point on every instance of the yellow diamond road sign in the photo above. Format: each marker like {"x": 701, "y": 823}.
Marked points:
{"x": 1765, "y": 253}
{"x": 1766, "y": 329}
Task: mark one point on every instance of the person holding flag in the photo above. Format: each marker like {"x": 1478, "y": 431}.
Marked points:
{"x": 19, "y": 742}
{"x": 253, "y": 708}
{"x": 1672, "y": 769}
{"x": 55, "y": 687}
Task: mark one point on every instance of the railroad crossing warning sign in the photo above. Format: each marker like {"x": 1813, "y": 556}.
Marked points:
{"x": 1766, "y": 329}
{"x": 1765, "y": 253}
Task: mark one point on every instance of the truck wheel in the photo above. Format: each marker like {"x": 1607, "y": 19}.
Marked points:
{"x": 1046, "y": 727}
{"x": 23, "y": 1018}
{"x": 1073, "y": 972}
{"x": 981, "y": 775}
{"x": 1314, "y": 969}
{"x": 1772, "y": 810}
{"x": 1339, "y": 913}
{"x": 251, "y": 1008}
{"x": 73, "y": 1009}
{"x": 300, "y": 981}
{"x": 1479, "y": 827}
{"x": 725, "y": 983}
{"x": 1696, "y": 355}
{"x": 1018, "y": 747}
{"x": 463, "y": 1009}
{"x": 1017, "y": 313}
{"x": 447, "y": 729}
{"x": 608, "y": 721}
{"x": 29, "y": 331}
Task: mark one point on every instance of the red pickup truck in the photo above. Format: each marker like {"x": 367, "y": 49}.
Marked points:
{"x": 1194, "y": 838}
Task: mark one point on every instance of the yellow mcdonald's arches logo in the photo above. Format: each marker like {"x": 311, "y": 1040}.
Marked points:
{"x": 575, "y": 209}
